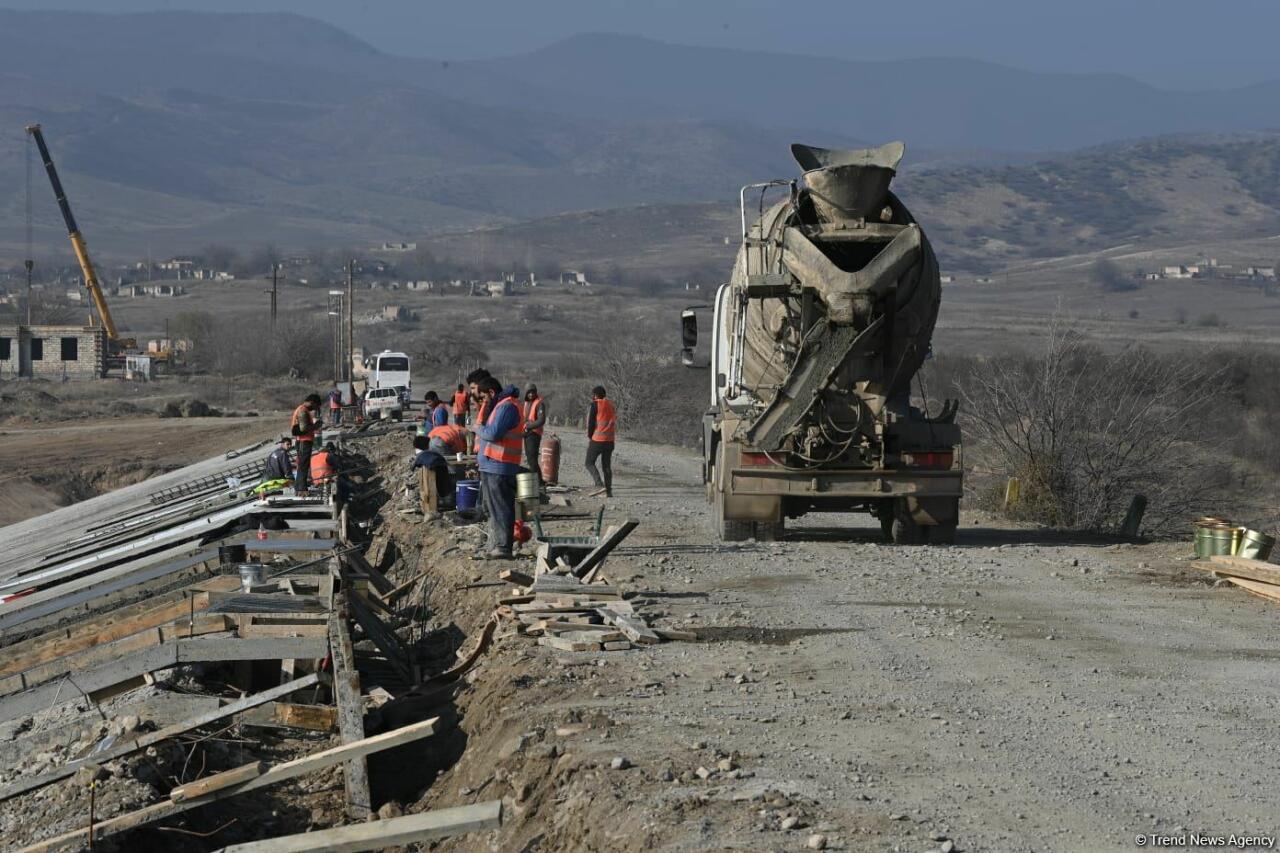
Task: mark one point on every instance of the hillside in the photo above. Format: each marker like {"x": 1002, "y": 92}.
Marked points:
{"x": 177, "y": 129}
{"x": 1153, "y": 193}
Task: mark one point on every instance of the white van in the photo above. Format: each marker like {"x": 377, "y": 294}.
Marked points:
{"x": 391, "y": 370}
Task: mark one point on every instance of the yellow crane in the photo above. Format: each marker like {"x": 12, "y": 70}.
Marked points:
{"x": 91, "y": 282}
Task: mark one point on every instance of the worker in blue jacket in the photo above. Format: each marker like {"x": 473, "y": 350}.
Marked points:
{"x": 501, "y": 441}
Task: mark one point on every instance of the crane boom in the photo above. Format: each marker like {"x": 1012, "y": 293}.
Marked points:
{"x": 91, "y": 282}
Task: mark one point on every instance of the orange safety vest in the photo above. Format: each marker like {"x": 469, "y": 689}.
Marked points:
{"x": 321, "y": 467}
{"x": 453, "y": 436}
{"x": 533, "y": 411}
{"x": 460, "y": 403}
{"x": 297, "y": 422}
{"x": 507, "y": 447}
{"x": 606, "y": 422}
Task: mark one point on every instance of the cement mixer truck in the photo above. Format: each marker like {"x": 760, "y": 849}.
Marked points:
{"x": 815, "y": 341}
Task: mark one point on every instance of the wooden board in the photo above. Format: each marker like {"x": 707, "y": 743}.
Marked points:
{"x": 218, "y": 781}
{"x": 607, "y": 544}
{"x": 1265, "y": 590}
{"x": 273, "y": 775}
{"x": 346, "y": 689}
{"x": 383, "y": 834}
{"x": 143, "y": 741}
{"x": 636, "y": 631}
{"x": 1241, "y": 567}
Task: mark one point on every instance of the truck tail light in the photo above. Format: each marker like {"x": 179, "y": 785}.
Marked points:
{"x": 929, "y": 459}
{"x": 756, "y": 460}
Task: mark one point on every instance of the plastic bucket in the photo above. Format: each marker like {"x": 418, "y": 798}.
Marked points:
{"x": 466, "y": 494}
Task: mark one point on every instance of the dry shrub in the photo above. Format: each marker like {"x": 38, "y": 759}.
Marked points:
{"x": 1085, "y": 431}
{"x": 299, "y": 346}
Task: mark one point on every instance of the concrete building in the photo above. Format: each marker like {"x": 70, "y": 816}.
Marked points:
{"x": 53, "y": 352}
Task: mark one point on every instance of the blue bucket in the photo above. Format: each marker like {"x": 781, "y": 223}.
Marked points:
{"x": 466, "y": 494}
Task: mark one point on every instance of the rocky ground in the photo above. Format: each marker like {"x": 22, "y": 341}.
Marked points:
{"x": 1018, "y": 691}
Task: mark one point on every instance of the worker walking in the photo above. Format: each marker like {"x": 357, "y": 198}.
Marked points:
{"x": 535, "y": 419}
{"x": 304, "y": 427}
{"x": 500, "y": 445}
{"x": 335, "y": 406}
{"x": 279, "y": 465}
{"x": 602, "y": 431}
{"x": 461, "y": 404}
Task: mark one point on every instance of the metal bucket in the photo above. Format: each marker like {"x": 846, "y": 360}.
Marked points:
{"x": 527, "y": 488}
{"x": 1255, "y": 545}
{"x": 251, "y": 575}
{"x": 1216, "y": 540}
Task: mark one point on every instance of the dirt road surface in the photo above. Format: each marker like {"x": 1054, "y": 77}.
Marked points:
{"x": 1017, "y": 691}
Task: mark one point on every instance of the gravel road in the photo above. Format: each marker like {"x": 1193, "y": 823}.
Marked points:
{"x": 1018, "y": 691}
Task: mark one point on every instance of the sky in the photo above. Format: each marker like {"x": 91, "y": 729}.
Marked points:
{"x": 1183, "y": 44}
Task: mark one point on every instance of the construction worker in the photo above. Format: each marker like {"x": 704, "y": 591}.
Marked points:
{"x": 474, "y": 378}
{"x": 335, "y": 406}
{"x": 279, "y": 465}
{"x": 304, "y": 427}
{"x": 500, "y": 444}
{"x": 428, "y": 457}
{"x": 461, "y": 403}
{"x": 602, "y": 431}
{"x": 535, "y": 418}
{"x": 448, "y": 439}
{"x": 322, "y": 467}
{"x": 437, "y": 411}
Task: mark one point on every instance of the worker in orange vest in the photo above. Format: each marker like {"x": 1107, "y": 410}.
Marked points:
{"x": 602, "y": 432}
{"x": 447, "y": 440}
{"x": 500, "y": 444}
{"x": 535, "y": 419}
{"x": 322, "y": 469}
{"x": 461, "y": 404}
{"x": 304, "y": 426}
{"x": 474, "y": 378}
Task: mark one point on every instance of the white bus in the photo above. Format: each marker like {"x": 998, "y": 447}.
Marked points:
{"x": 391, "y": 370}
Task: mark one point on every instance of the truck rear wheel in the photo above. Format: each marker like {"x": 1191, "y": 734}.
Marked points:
{"x": 941, "y": 534}
{"x": 905, "y": 531}
{"x": 728, "y": 530}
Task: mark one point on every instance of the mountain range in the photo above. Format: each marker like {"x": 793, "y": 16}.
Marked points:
{"x": 178, "y": 129}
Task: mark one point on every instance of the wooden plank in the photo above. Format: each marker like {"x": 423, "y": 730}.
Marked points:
{"x": 1264, "y": 590}
{"x": 383, "y": 834}
{"x": 143, "y": 741}
{"x": 104, "y": 652}
{"x": 286, "y": 715}
{"x": 396, "y": 592}
{"x": 299, "y": 629}
{"x": 517, "y": 577}
{"x": 568, "y": 645}
{"x": 346, "y": 690}
{"x": 218, "y": 781}
{"x": 636, "y": 631}
{"x": 582, "y": 636}
{"x": 377, "y": 578}
{"x": 1241, "y": 567}
{"x": 427, "y": 492}
{"x": 116, "y": 625}
{"x": 73, "y": 686}
{"x": 382, "y": 636}
{"x": 274, "y": 775}
{"x": 610, "y": 541}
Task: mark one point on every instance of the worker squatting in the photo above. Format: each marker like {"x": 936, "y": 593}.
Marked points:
{"x": 503, "y": 430}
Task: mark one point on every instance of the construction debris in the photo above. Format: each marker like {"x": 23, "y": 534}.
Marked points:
{"x": 1255, "y": 576}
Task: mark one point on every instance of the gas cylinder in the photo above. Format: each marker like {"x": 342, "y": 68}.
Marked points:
{"x": 549, "y": 459}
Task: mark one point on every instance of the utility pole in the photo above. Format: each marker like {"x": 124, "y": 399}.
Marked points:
{"x": 28, "y": 263}
{"x": 275, "y": 281}
{"x": 351, "y": 321}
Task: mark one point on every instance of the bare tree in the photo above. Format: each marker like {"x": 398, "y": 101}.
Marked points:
{"x": 454, "y": 350}
{"x": 1086, "y": 430}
